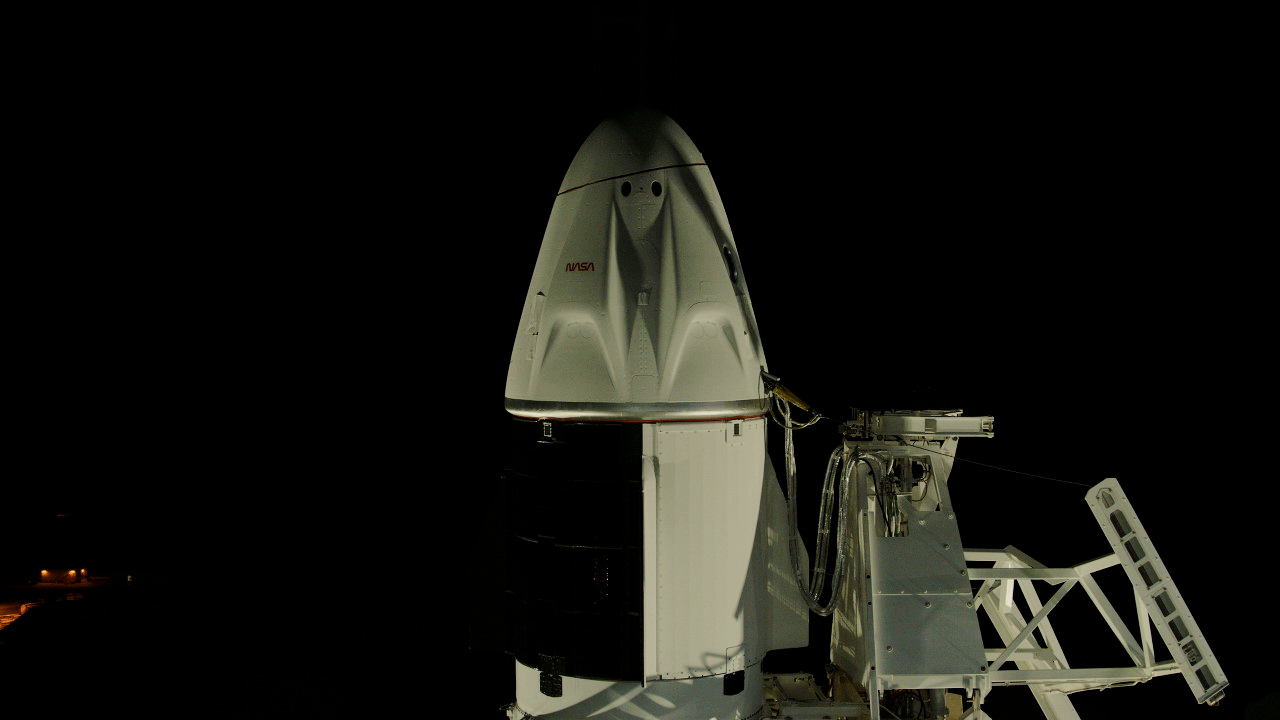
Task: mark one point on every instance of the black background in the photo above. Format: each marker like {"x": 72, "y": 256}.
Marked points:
{"x": 265, "y": 274}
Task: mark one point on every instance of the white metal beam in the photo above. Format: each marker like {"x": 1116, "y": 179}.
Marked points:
{"x": 1035, "y": 622}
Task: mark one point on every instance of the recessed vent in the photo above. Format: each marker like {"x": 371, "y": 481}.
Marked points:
{"x": 1120, "y": 523}
{"x": 1135, "y": 549}
{"x": 1148, "y": 574}
{"x": 1205, "y": 676}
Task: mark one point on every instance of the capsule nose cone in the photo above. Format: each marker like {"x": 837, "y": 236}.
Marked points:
{"x": 631, "y": 143}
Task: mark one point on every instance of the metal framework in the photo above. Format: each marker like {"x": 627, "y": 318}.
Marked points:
{"x": 1043, "y": 665}
{"x": 911, "y": 622}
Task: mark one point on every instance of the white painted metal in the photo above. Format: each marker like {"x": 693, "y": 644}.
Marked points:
{"x": 687, "y": 699}
{"x": 949, "y": 425}
{"x": 786, "y": 623}
{"x": 1044, "y": 668}
{"x": 638, "y": 307}
{"x": 927, "y": 635}
{"x": 715, "y": 609}
{"x": 638, "y": 311}
{"x": 1157, "y": 596}
{"x": 903, "y": 565}
{"x": 996, "y": 596}
{"x": 907, "y": 619}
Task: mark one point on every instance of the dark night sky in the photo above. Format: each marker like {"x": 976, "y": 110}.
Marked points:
{"x": 271, "y": 277}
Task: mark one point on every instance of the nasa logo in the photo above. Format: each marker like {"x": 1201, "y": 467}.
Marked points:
{"x": 579, "y": 266}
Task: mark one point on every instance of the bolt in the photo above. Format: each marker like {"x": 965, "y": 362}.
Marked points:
{"x": 888, "y": 648}
{"x": 928, "y": 604}
{"x": 946, "y": 546}
{"x": 968, "y": 603}
{"x": 922, "y": 522}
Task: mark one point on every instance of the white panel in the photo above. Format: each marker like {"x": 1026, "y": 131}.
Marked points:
{"x": 688, "y": 699}
{"x": 709, "y": 487}
{"x": 926, "y": 632}
{"x": 925, "y": 622}
{"x": 649, "y": 488}
{"x": 786, "y": 623}
{"x": 917, "y": 636}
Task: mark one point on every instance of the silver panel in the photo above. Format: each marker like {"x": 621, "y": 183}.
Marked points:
{"x": 927, "y": 635}
{"x": 638, "y": 411}
{"x": 930, "y": 560}
{"x": 926, "y": 627}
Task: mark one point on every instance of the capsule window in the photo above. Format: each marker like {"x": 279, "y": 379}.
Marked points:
{"x": 626, "y": 188}
{"x": 733, "y": 266}
{"x": 656, "y": 187}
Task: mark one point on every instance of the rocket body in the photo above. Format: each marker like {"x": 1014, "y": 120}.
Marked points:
{"x": 647, "y": 531}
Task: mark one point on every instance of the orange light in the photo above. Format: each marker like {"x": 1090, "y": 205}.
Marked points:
{"x": 44, "y": 572}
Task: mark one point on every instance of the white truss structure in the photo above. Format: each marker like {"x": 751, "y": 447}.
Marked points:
{"x": 1042, "y": 664}
{"x": 906, "y": 624}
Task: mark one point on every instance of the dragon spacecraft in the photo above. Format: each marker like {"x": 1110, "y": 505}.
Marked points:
{"x": 655, "y": 558}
